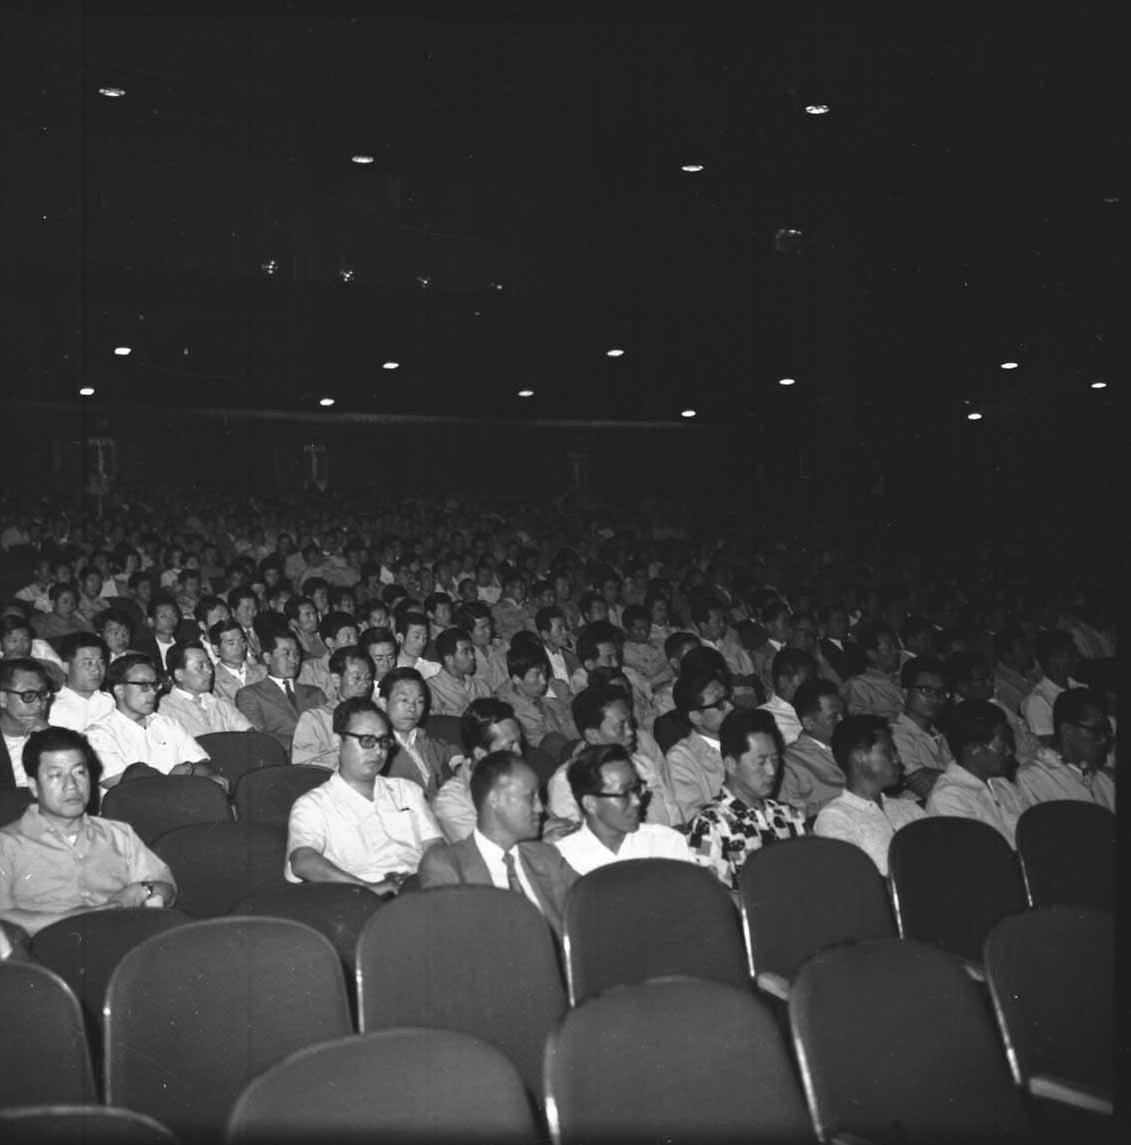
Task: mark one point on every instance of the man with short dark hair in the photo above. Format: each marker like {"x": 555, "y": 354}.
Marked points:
{"x": 503, "y": 851}
{"x": 511, "y": 613}
{"x": 411, "y": 628}
{"x": 161, "y": 633}
{"x": 456, "y": 684}
{"x": 25, "y": 693}
{"x": 315, "y": 742}
{"x": 695, "y": 763}
{"x": 875, "y": 691}
{"x": 232, "y": 669}
{"x": 81, "y": 701}
{"x": 1057, "y": 656}
{"x": 190, "y": 700}
{"x": 527, "y": 691}
{"x": 56, "y": 860}
{"x": 1015, "y": 672}
{"x": 862, "y": 814}
{"x": 474, "y": 617}
{"x": 337, "y": 630}
{"x": 791, "y": 668}
{"x": 64, "y": 617}
{"x": 811, "y": 776}
{"x": 553, "y": 630}
{"x": 922, "y": 748}
{"x": 275, "y": 703}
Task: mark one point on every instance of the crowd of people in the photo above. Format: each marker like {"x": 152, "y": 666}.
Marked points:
{"x": 614, "y": 686}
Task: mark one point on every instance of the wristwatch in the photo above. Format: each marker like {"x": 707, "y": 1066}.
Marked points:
{"x": 149, "y": 889}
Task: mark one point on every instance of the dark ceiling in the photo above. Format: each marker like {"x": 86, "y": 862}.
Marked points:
{"x": 959, "y": 205}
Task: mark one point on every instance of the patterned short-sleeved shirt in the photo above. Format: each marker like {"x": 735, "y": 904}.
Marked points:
{"x": 726, "y": 831}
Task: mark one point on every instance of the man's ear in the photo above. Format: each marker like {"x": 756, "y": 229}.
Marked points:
{"x": 33, "y": 787}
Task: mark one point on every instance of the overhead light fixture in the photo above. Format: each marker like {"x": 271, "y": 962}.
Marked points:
{"x": 423, "y": 281}
{"x": 692, "y": 168}
{"x": 1099, "y": 385}
{"x": 525, "y": 393}
{"x": 269, "y": 266}
{"x": 112, "y": 92}
{"x": 615, "y": 352}
{"x": 361, "y": 160}
{"x": 325, "y": 401}
{"x": 346, "y": 274}
{"x": 123, "y": 351}
{"x": 973, "y": 415}
{"x": 787, "y": 381}
{"x": 816, "y": 109}
{"x": 687, "y": 413}
{"x": 390, "y": 365}
{"x": 1009, "y": 365}
{"x": 86, "y": 392}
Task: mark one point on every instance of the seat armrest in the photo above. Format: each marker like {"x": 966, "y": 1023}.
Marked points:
{"x": 1074, "y": 1093}
{"x": 974, "y": 970}
{"x": 773, "y": 984}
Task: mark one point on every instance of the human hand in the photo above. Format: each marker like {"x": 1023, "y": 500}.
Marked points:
{"x": 131, "y": 895}
{"x": 556, "y": 828}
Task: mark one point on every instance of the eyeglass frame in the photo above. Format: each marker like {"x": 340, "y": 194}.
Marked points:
{"x": 639, "y": 790}
{"x": 36, "y": 696}
{"x": 931, "y": 692}
{"x": 388, "y": 742}
{"x": 145, "y": 685}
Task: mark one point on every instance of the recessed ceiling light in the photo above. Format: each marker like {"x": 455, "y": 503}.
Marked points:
{"x": 817, "y": 109}
{"x": 1099, "y": 385}
{"x": 687, "y": 413}
{"x": 525, "y": 393}
{"x": 692, "y": 168}
{"x": 974, "y": 415}
{"x": 346, "y": 274}
{"x": 123, "y": 351}
{"x": 1009, "y": 365}
{"x": 269, "y": 266}
{"x": 363, "y": 160}
{"x": 615, "y": 352}
{"x": 112, "y": 92}
{"x": 86, "y": 392}
{"x": 787, "y": 381}
{"x": 390, "y": 365}
{"x": 325, "y": 401}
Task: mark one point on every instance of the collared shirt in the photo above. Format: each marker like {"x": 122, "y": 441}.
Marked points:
{"x": 785, "y": 716}
{"x": 695, "y": 767}
{"x": 558, "y": 669}
{"x": 1048, "y": 777}
{"x": 203, "y": 714}
{"x": 228, "y": 681}
{"x": 15, "y": 745}
{"x": 919, "y": 749}
{"x": 45, "y": 877}
{"x": 492, "y": 855}
{"x": 452, "y": 694}
{"x": 368, "y": 838}
{"x": 873, "y": 693}
{"x": 156, "y": 740}
{"x": 316, "y": 672}
{"x": 70, "y": 710}
{"x": 1036, "y": 708}
{"x": 491, "y": 665}
{"x": 315, "y": 742}
{"x": 868, "y": 825}
{"x": 453, "y": 808}
{"x": 995, "y": 802}
{"x": 646, "y": 659}
{"x": 727, "y": 830}
{"x": 538, "y": 718}
{"x": 585, "y": 852}
{"x": 811, "y": 776}
{"x": 1010, "y": 687}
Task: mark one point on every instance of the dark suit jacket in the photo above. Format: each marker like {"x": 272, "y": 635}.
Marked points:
{"x": 146, "y": 643}
{"x": 437, "y": 755}
{"x": 7, "y": 775}
{"x": 549, "y": 874}
{"x": 265, "y": 705}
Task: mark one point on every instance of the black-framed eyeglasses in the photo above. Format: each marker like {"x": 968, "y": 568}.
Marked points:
{"x": 932, "y": 692}
{"x": 30, "y": 696}
{"x": 145, "y": 685}
{"x": 639, "y": 790}
{"x": 720, "y": 703}
{"x": 369, "y": 742}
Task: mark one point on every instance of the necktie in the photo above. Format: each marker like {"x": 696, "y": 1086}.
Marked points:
{"x": 512, "y": 874}
{"x": 288, "y": 687}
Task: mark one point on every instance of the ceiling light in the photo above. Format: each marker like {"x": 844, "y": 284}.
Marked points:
{"x": 1009, "y": 365}
{"x": 525, "y": 393}
{"x": 1099, "y": 385}
{"x": 787, "y": 381}
{"x": 346, "y": 274}
{"x": 325, "y": 401}
{"x": 112, "y": 92}
{"x": 687, "y": 413}
{"x": 615, "y": 352}
{"x": 424, "y": 281}
{"x": 974, "y": 415}
{"x": 390, "y": 365}
{"x": 123, "y": 351}
{"x": 86, "y": 392}
{"x": 817, "y": 109}
{"x": 362, "y": 160}
{"x": 269, "y": 266}
{"x": 692, "y": 168}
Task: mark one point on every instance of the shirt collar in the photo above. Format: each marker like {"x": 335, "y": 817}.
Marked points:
{"x": 711, "y": 741}
{"x": 488, "y": 848}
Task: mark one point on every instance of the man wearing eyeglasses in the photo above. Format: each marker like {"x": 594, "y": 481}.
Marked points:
{"x": 695, "y": 763}
{"x": 24, "y": 696}
{"x": 921, "y": 747}
{"x": 360, "y": 826}
{"x": 613, "y": 798}
{"x": 134, "y": 732}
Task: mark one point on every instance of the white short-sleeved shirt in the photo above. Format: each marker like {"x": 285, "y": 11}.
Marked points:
{"x": 157, "y": 740}
{"x": 368, "y": 838}
{"x": 868, "y": 825}
{"x": 70, "y": 710}
{"x": 585, "y": 852}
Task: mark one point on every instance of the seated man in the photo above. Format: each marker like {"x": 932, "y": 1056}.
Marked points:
{"x": 275, "y": 703}
{"x": 38, "y": 592}
{"x": 474, "y": 618}
{"x": 190, "y": 700}
{"x": 540, "y": 713}
{"x": 161, "y": 634}
{"x": 403, "y": 696}
{"x": 359, "y": 826}
{"x": 611, "y": 796}
{"x": 777, "y": 622}
{"x": 742, "y": 818}
{"x": 380, "y": 645}
{"x": 18, "y": 643}
{"x": 921, "y": 747}
{"x": 486, "y": 726}
{"x": 640, "y": 653}
{"x": 971, "y": 680}
{"x": 115, "y": 628}
{"x": 25, "y": 693}
{"x": 511, "y": 613}
{"x": 302, "y": 616}
{"x": 91, "y": 602}
{"x": 337, "y": 630}
{"x": 862, "y": 814}
{"x": 1057, "y": 656}
{"x": 64, "y": 617}
{"x": 977, "y": 783}
{"x": 811, "y": 776}
{"x": 457, "y": 682}
{"x": 244, "y": 606}
{"x": 56, "y": 860}
{"x": 503, "y": 851}
{"x": 411, "y": 628}
{"x": 232, "y": 669}
{"x": 134, "y": 732}
{"x": 790, "y": 669}
{"x": 1015, "y": 672}
{"x": 603, "y": 717}
{"x": 81, "y": 701}
{"x": 553, "y": 630}
{"x": 676, "y": 646}
{"x": 315, "y": 741}
{"x": 695, "y": 763}
{"x": 875, "y": 691}
{"x": 1075, "y": 767}
{"x": 709, "y": 615}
